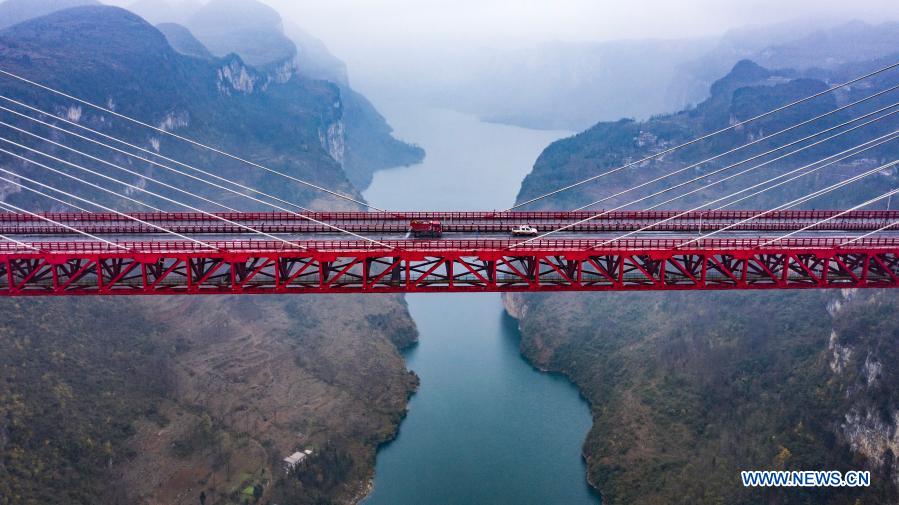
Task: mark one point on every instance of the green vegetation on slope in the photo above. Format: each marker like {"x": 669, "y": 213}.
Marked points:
{"x": 154, "y": 400}
{"x": 688, "y": 389}
{"x": 73, "y": 378}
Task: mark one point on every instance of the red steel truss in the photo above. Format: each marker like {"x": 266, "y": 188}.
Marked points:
{"x": 452, "y": 222}
{"x": 410, "y": 266}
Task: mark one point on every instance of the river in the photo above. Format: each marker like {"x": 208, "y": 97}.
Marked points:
{"x": 484, "y": 427}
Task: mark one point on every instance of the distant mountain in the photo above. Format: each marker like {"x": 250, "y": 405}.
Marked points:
{"x": 370, "y": 144}
{"x": 16, "y": 11}
{"x": 688, "y": 389}
{"x": 574, "y": 85}
{"x": 183, "y": 41}
{"x": 153, "y": 399}
{"x": 255, "y": 32}
{"x": 790, "y": 45}
{"x": 846, "y": 43}
{"x": 314, "y": 60}
{"x": 247, "y": 27}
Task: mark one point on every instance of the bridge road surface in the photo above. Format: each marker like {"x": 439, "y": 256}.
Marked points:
{"x": 42, "y": 259}
{"x": 457, "y": 225}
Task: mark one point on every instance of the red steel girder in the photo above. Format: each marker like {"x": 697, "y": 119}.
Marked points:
{"x": 256, "y": 267}
{"x": 458, "y": 222}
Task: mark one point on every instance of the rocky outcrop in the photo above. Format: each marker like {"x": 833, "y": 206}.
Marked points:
{"x": 690, "y": 388}
{"x": 863, "y": 364}
{"x": 234, "y": 76}
{"x": 334, "y": 140}
{"x": 156, "y": 400}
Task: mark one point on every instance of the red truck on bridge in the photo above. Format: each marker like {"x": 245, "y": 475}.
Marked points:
{"x": 425, "y": 228}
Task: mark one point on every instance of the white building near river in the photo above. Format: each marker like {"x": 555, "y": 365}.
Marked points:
{"x": 292, "y": 461}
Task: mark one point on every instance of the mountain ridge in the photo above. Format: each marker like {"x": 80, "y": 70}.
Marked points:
{"x": 688, "y": 389}
{"x": 174, "y": 397}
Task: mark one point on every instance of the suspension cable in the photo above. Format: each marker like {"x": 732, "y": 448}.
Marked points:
{"x": 60, "y": 200}
{"x": 841, "y": 213}
{"x": 143, "y": 150}
{"x": 191, "y": 141}
{"x": 70, "y": 195}
{"x": 798, "y": 201}
{"x": 657, "y": 193}
{"x": 699, "y": 139}
{"x": 45, "y": 218}
{"x": 742, "y": 146}
{"x": 680, "y": 214}
{"x": 238, "y": 193}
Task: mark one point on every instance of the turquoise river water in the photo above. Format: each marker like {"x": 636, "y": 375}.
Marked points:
{"x": 485, "y": 427}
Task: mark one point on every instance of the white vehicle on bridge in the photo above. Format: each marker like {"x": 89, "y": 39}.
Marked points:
{"x": 524, "y": 230}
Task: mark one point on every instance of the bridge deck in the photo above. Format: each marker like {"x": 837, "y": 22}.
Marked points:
{"x": 407, "y": 266}
{"x": 393, "y": 223}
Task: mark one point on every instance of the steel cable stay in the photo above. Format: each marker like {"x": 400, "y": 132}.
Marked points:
{"x": 698, "y": 178}
{"x": 88, "y": 183}
{"x": 191, "y": 141}
{"x": 742, "y": 146}
{"x": 790, "y": 144}
{"x": 884, "y": 228}
{"x": 7, "y": 208}
{"x": 700, "y": 207}
{"x": 20, "y": 244}
{"x": 113, "y": 165}
{"x": 823, "y": 163}
{"x": 800, "y": 200}
{"x": 60, "y": 200}
{"x": 803, "y": 174}
{"x": 230, "y": 190}
{"x": 162, "y": 197}
{"x": 12, "y": 208}
{"x": 133, "y": 187}
{"x": 657, "y": 205}
{"x": 701, "y": 138}
{"x": 145, "y": 151}
{"x": 841, "y": 213}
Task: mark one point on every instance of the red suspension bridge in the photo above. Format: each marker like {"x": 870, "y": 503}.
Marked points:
{"x": 584, "y": 260}
{"x": 296, "y": 250}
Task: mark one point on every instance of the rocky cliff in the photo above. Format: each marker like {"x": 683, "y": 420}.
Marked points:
{"x": 688, "y": 389}
{"x": 159, "y": 400}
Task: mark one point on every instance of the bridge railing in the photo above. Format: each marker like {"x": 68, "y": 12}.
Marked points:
{"x": 535, "y": 216}
{"x": 510, "y": 247}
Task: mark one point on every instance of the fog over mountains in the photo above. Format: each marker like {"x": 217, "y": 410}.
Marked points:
{"x": 16, "y": 11}
{"x": 573, "y": 85}
{"x": 151, "y": 400}
{"x": 361, "y": 141}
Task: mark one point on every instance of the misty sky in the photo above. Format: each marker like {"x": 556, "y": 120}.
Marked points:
{"x": 377, "y": 37}
{"x": 374, "y": 36}
{"x": 346, "y": 25}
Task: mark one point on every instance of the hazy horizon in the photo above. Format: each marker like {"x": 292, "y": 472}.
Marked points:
{"x": 380, "y": 37}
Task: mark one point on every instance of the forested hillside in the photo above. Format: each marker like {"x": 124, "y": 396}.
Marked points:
{"x": 688, "y": 389}
{"x": 261, "y": 37}
{"x": 157, "y": 400}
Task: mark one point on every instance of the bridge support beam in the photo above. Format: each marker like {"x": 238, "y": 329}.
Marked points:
{"x": 445, "y": 266}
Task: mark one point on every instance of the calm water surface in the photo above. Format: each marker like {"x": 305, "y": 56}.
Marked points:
{"x": 484, "y": 427}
